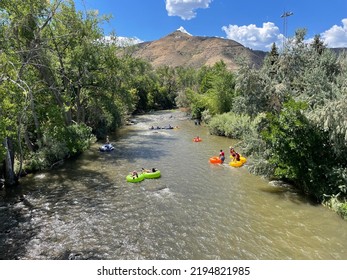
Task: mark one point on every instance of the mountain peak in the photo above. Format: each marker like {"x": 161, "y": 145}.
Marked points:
{"x": 181, "y": 49}
{"x": 182, "y": 29}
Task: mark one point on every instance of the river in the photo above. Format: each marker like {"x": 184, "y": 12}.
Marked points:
{"x": 85, "y": 209}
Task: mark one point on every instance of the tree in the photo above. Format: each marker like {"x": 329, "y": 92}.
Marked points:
{"x": 303, "y": 139}
{"x": 253, "y": 90}
{"x": 318, "y": 44}
{"x": 273, "y": 56}
{"x": 217, "y": 87}
{"x": 47, "y": 75}
{"x": 301, "y": 151}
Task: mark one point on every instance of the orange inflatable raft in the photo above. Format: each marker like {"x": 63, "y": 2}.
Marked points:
{"x": 215, "y": 160}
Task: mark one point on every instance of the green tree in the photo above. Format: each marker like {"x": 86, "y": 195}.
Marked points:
{"x": 49, "y": 76}
{"x": 253, "y": 90}
{"x": 167, "y": 87}
{"x": 301, "y": 152}
{"x": 318, "y": 44}
{"x": 217, "y": 89}
{"x": 271, "y": 62}
{"x": 222, "y": 92}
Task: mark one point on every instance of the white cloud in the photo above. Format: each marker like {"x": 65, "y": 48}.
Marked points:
{"x": 121, "y": 41}
{"x": 126, "y": 41}
{"x": 185, "y": 9}
{"x": 336, "y": 36}
{"x": 262, "y": 38}
{"x": 256, "y": 38}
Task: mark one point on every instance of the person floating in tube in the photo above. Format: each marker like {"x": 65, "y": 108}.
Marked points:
{"x": 135, "y": 174}
{"x": 234, "y": 154}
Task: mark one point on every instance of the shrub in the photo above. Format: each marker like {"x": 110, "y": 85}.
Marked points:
{"x": 230, "y": 125}
{"x": 60, "y": 143}
{"x": 302, "y": 152}
{"x": 342, "y": 210}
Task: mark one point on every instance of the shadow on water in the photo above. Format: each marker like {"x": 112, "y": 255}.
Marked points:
{"x": 288, "y": 192}
{"x": 12, "y": 240}
{"x": 19, "y": 210}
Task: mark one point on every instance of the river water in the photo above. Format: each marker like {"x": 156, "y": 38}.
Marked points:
{"x": 85, "y": 209}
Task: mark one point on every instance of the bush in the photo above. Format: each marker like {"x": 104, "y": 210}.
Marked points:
{"x": 342, "y": 210}
{"x": 302, "y": 153}
{"x": 78, "y": 138}
{"x": 337, "y": 204}
{"x": 60, "y": 143}
{"x": 262, "y": 167}
{"x": 230, "y": 125}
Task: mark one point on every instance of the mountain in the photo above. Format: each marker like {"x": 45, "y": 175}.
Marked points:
{"x": 182, "y": 49}
{"x": 339, "y": 51}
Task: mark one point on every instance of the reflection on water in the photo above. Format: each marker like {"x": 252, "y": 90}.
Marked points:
{"x": 85, "y": 209}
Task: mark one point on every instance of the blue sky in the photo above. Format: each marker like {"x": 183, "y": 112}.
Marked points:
{"x": 253, "y": 23}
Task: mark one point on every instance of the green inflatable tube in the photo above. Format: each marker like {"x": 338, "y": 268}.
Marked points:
{"x": 130, "y": 178}
{"x": 152, "y": 175}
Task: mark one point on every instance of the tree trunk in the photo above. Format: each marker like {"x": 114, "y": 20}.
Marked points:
{"x": 10, "y": 176}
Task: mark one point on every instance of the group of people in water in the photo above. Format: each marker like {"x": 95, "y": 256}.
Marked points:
{"x": 165, "y": 127}
{"x": 236, "y": 156}
{"x": 197, "y": 139}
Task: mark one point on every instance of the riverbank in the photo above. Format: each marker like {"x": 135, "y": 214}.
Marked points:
{"x": 311, "y": 173}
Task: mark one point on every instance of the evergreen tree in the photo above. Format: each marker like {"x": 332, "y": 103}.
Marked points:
{"x": 318, "y": 44}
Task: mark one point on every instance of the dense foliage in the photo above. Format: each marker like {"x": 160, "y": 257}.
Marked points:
{"x": 61, "y": 83}
{"x": 297, "y": 129}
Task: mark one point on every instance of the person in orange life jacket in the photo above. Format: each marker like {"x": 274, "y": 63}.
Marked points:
{"x": 222, "y": 156}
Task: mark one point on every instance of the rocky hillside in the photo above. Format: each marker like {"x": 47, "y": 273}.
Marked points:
{"x": 182, "y": 49}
